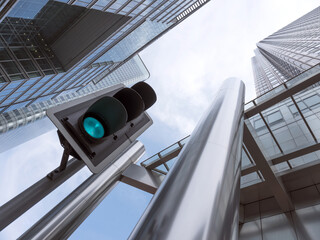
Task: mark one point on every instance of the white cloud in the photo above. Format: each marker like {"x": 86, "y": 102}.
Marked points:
{"x": 25, "y": 165}
{"x": 189, "y": 63}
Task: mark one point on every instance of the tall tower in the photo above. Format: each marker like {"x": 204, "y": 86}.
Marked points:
{"x": 287, "y": 52}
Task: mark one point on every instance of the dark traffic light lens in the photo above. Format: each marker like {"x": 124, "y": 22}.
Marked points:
{"x": 146, "y": 92}
{"x": 93, "y": 127}
{"x": 132, "y": 101}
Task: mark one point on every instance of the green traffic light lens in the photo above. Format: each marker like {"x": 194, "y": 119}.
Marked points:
{"x": 93, "y": 127}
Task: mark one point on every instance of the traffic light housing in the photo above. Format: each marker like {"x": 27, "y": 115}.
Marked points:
{"x": 99, "y": 126}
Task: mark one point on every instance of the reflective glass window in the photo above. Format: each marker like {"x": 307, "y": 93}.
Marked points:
{"x": 171, "y": 162}
{"x": 258, "y": 124}
{"x": 162, "y": 168}
{"x": 28, "y": 65}
{"x": 10, "y": 67}
{"x": 245, "y": 161}
{"x": 43, "y": 64}
{"x": 4, "y": 55}
{"x": 16, "y": 77}
{"x": 274, "y": 118}
{"x": 169, "y": 150}
{"x": 20, "y": 53}
{"x": 280, "y": 167}
{"x": 34, "y": 74}
{"x": 312, "y": 101}
{"x": 250, "y": 179}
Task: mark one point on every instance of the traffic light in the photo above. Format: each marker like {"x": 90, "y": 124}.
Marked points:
{"x": 98, "y": 127}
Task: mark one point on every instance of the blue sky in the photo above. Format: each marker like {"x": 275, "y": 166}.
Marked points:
{"x": 187, "y": 65}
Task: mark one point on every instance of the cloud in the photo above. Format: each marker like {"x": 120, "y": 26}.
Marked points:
{"x": 25, "y": 165}
{"x": 189, "y": 63}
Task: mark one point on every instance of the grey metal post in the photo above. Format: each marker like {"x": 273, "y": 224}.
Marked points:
{"x": 199, "y": 199}
{"x": 64, "y": 219}
{"x": 17, "y": 206}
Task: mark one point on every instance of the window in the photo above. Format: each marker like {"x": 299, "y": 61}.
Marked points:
{"x": 305, "y": 104}
{"x": 274, "y": 118}
{"x": 4, "y": 55}
{"x": 43, "y": 64}
{"x": 312, "y": 101}
{"x": 16, "y": 112}
{"x": 20, "y": 53}
{"x": 28, "y": 65}
{"x": 10, "y": 67}
{"x": 258, "y": 124}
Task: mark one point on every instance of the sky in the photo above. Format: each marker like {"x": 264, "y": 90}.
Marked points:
{"x": 187, "y": 66}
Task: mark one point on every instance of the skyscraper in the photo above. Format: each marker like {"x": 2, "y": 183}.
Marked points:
{"x": 280, "y": 184}
{"x": 287, "y": 52}
{"x": 50, "y": 47}
{"x": 53, "y": 51}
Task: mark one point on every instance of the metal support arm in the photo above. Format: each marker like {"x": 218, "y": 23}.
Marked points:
{"x": 199, "y": 198}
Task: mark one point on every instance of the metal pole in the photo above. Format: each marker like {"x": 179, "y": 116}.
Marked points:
{"x": 17, "y": 206}
{"x": 199, "y": 199}
{"x": 63, "y": 219}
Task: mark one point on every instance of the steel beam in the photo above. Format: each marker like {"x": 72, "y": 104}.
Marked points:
{"x": 248, "y": 170}
{"x": 141, "y": 178}
{"x": 272, "y": 181}
{"x": 17, "y": 206}
{"x": 284, "y": 157}
{"x": 294, "y": 154}
{"x": 278, "y": 97}
{"x": 164, "y": 159}
{"x": 64, "y": 219}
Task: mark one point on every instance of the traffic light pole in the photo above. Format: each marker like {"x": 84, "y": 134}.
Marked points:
{"x": 17, "y": 206}
{"x": 64, "y": 219}
{"x": 199, "y": 198}
{"x": 96, "y": 128}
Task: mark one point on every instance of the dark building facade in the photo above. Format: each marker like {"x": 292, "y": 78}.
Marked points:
{"x": 49, "y": 48}
{"x": 53, "y": 51}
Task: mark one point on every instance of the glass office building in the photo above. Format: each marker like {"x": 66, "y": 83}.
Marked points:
{"x": 55, "y": 46}
{"x": 280, "y": 183}
{"x": 54, "y": 51}
{"x": 287, "y": 52}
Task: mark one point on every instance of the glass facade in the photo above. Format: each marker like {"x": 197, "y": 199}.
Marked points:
{"x": 266, "y": 222}
{"x": 285, "y": 127}
{"x": 41, "y": 55}
{"x": 289, "y": 125}
{"x": 52, "y": 51}
{"x": 287, "y": 53}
